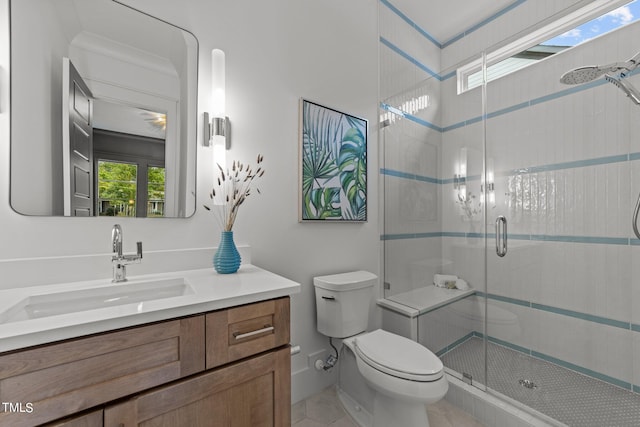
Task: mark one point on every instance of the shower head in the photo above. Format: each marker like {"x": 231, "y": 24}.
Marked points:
{"x": 586, "y": 74}
{"x": 582, "y": 75}
{"x": 626, "y": 87}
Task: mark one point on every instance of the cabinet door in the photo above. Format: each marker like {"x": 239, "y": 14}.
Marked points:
{"x": 252, "y": 393}
{"x": 91, "y": 419}
{"x": 65, "y": 378}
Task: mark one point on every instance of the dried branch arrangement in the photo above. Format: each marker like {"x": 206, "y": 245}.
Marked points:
{"x": 231, "y": 189}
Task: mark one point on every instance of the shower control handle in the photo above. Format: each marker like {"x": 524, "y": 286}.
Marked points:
{"x": 635, "y": 218}
{"x": 501, "y": 236}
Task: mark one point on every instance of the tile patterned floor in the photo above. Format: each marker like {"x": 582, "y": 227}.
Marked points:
{"x": 565, "y": 395}
{"x": 325, "y": 409}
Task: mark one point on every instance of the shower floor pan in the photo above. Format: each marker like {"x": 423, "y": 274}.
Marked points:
{"x": 562, "y": 394}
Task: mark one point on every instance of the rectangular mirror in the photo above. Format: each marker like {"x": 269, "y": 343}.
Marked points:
{"x": 103, "y": 111}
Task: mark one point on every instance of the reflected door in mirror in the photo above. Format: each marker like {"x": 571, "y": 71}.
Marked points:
{"x": 77, "y": 143}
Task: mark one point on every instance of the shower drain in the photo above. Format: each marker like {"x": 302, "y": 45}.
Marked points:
{"x": 528, "y": 384}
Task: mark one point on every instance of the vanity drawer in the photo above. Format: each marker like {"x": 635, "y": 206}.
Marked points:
{"x": 239, "y": 332}
{"x": 71, "y": 376}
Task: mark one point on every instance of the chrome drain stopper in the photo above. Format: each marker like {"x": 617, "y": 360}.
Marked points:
{"x": 528, "y": 384}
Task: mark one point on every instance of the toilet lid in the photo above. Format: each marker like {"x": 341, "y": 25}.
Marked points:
{"x": 398, "y": 356}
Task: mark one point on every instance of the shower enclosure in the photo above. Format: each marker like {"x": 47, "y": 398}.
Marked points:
{"x": 525, "y": 188}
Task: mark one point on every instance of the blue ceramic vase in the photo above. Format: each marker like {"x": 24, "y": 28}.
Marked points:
{"x": 227, "y": 258}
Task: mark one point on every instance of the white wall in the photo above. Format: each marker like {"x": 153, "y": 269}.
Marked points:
{"x": 44, "y": 78}
{"x": 278, "y": 52}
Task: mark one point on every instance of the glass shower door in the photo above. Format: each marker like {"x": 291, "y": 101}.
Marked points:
{"x": 454, "y": 330}
{"x": 560, "y": 322}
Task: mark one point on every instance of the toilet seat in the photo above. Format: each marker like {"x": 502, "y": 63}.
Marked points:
{"x": 398, "y": 356}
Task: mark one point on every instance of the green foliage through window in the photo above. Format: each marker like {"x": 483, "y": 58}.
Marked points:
{"x": 117, "y": 189}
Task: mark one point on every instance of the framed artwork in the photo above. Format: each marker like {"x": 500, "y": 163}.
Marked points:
{"x": 333, "y": 165}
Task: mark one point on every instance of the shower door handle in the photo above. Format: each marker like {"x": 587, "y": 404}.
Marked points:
{"x": 635, "y": 218}
{"x": 501, "y": 236}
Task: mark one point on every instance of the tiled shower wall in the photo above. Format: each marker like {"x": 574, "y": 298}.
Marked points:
{"x": 566, "y": 162}
{"x": 410, "y": 162}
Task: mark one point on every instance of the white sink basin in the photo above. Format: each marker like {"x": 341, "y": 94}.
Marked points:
{"x": 53, "y": 304}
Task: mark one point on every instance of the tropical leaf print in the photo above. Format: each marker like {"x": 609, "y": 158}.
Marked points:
{"x": 322, "y": 203}
{"x": 352, "y": 163}
{"x": 333, "y": 164}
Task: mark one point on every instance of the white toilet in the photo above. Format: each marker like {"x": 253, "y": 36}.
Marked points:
{"x": 402, "y": 375}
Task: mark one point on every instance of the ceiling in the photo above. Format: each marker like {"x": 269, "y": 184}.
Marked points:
{"x": 127, "y": 26}
{"x": 446, "y": 19}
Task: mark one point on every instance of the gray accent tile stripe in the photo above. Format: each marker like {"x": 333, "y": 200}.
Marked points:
{"x": 484, "y": 22}
{"x": 408, "y": 175}
{"x": 418, "y": 120}
{"x": 455, "y": 344}
{"x": 509, "y": 345}
{"x": 410, "y": 58}
{"x": 493, "y": 114}
{"x": 618, "y": 158}
{"x": 455, "y": 38}
{"x": 509, "y": 300}
{"x": 412, "y": 24}
{"x": 561, "y": 311}
{"x": 403, "y": 236}
{"x": 411, "y": 176}
{"x": 581, "y": 239}
{"x": 529, "y": 103}
{"x": 583, "y": 316}
{"x": 597, "y": 240}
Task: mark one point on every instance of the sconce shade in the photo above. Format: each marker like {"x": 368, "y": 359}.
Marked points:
{"x": 218, "y": 82}
{"x": 216, "y": 123}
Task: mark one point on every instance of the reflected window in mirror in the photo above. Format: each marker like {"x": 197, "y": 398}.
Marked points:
{"x": 131, "y": 177}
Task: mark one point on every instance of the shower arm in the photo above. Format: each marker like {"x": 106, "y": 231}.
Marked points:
{"x": 635, "y": 59}
{"x": 635, "y": 218}
{"x": 628, "y": 66}
{"x": 621, "y": 67}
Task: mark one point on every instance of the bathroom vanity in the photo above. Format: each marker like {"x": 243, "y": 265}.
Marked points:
{"x": 216, "y": 353}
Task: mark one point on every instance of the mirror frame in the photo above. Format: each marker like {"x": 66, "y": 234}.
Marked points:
{"x": 184, "y": 188}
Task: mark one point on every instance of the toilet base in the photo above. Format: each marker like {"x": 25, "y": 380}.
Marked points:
{"x": 359, "y": 414}
{"x": 389, "y": 411}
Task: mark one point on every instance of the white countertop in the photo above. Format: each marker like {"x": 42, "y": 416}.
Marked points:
{"x": 208, "y": 291}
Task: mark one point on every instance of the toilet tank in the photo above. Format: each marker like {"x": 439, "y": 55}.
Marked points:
{"x": 342, "y": 303}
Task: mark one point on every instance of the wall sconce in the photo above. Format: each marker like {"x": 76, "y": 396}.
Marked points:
{"x": 487, "y": 189}
{"x": 460, "y": 178}
{"x": 217, "y": 129}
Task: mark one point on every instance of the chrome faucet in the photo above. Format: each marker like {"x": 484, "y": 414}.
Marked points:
{"x": 119, "y": 260}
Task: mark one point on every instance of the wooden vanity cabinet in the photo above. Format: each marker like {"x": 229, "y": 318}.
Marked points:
{"x": 64, "y": 378}
{"x": 251, "y": 393}
{"x": 229, "y": 367}
{"x": 91, "y": 419}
